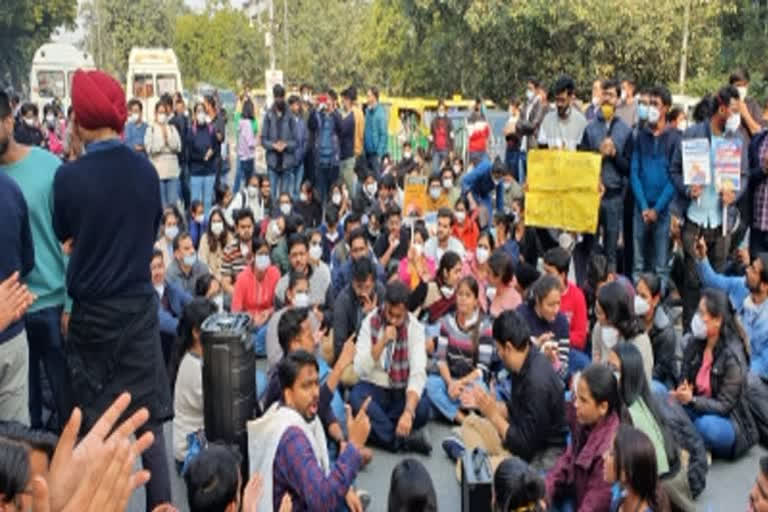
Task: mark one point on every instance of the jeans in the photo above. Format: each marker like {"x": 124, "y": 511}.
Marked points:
{"x": 384, "y": 411}
{"x": 658, "y": 387}
{"x": 651, "y": 236}
{"x": 477, "y": 156}
{"x": 337, "y": 403}
{"x": 347, "y": 172}
{"x": 46, "y": 347}
{"x": 280, "y": 181}
{"x": 437, "y": 160}
{"x": 14, "y": 379}
{"x": 523, "y": 164}
{"x": 374, "y": 162}
{"x": 716, "y": 431}
{"x": 512, "y": 159}
{"x": 326, "y": 175}
{"x": 184, "y": 191}
{"x": 610, "y": 219}
{"x": 244, "y": 172}
{"x": 437, "y": 391}
{"x": 259, "y": 338}
{"x": 169, "y": 191}
{"x": 298, "y": 177}
{"x": 201, "y": 188}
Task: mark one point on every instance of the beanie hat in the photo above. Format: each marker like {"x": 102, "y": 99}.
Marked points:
{"x": 98, "y": 101}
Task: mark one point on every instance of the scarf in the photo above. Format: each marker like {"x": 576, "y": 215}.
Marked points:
{"x": 440, "y": 307}
{"x": 397, "y": 363}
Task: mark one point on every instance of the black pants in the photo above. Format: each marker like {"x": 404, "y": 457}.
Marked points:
{"x": 155, "y": 460}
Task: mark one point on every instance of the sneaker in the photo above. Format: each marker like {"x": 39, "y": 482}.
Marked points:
{"x": 365, "y": 498}
{"x": 417, "y": 442}
{"x": 453, "y": 447}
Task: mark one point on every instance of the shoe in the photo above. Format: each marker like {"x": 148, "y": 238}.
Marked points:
{"x": 365, "y": 498}
{"x": 453, "y": 447}
{"x": 417, "y": 442}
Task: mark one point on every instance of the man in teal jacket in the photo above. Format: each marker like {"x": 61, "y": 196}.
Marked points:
{"x": 375, "y": 141}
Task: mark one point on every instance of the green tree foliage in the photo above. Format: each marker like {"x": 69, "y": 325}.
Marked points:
{"x": 24, "y": 26}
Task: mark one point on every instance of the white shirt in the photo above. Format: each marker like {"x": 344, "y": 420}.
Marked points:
{"x": 187, "y": 403}
{"x": 433, "y": 250}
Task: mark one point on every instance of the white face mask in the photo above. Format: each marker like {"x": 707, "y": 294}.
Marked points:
{"x": 276, "y": 229}
{"x": 315, "y": 252}
{"x": 447, "y": 183}
{"x": 332, "y": 235}
{"x": 285, "y": 208}
{"x": 303, "y": 197}
{"x": 457, "y": 169}
{"x": 162, "y": 118}
{"x": 200, "y": 118}
{"x": 171, "y": 232}
{"x": 370, "y": 189}
{"x": 461, "y": 216}
{"x": 698, "y": 327}
{"x": 418, "y": 248}
{"x": 50, "y": 118}
{"x": 742, "y": 92}
{"x": 434, "y": 193}
{"x": 490, "y": 292}
{"x": 609, "y": 335}
{"x": 134, "y": 118}
{"x": 160, "y": 289}
{"x": 199, "y": 219}
{"x": 253, "y": 192}
{"x": 407, "y": 155}
{"x": 733, "y": 123}
{"x": 219, "y": 301}
{"x": 641, "y": 306}
{"x": 217, "y": 228}
{"x": 301, "y": 300}
{"x": 30, "y": 121}
{"x": 447, "y": 291}
{"x": 336, "y": 199}
{"x": 482, "y": 254}
{"x": 261, "y": 261}
{"x": 653, "y": 115}
{"x": 529, "y": 94}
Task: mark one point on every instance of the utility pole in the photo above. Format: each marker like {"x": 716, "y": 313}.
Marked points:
{"x": 684, "y": 47}
{"x": 285, "y": 25}
{"x": 270, "y": 36}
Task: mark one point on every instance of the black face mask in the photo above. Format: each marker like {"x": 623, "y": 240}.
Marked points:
{"x": 280, "y": 105}
{"x": 564, "y": 111}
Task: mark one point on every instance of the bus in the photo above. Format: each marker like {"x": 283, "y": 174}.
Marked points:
{"x": 53, "y": 67}
{"x": 152, "y": 72}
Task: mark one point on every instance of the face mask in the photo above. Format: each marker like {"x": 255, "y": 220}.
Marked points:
{"x": 507, "y": 185}
{"x": 301, "y": 300}
{"x": 303, "y": 197}
{"x": 447, "y": 183}
{"x": 607, "y": 110}
{"x": 253, "y": 192}
{"x": 698, "y": 327}
{"x": 162, "y": 118}
{"x": 285, "y": 208}
{"x": 482, "y": 254}
{"x": 261, "y": 261}
{"x": 374, "y": 232}
{"x": 280, "y": 104}
{"x": 653, "y": 115}
{"x": 447, "y": 291}
{"x": 30, "y": 121}
{"x": 642, "y": 112}
{"x": 50, "y": 118}
{"x": 418, "y": 248}
{"x": 217, "y": 228}
{"x": 219, "y": 301}
{"x": 189, "y": 259}
{"x": 609, "y": 335}
{"x": 742, "y": 92}
{"x": 160, "y": 289}
{"x": 200, "y": 118}
{"x": 461, "y": 216}
{"x": 306, "y": 98}
{"x": 407, "y": 156}
{"x": 332, "y": 235}
{"x": 490, "y": 292}
{"x": 336, "y": 199}
{"x": 315, "y": 252}
{"x": 641, "y": 306}
{"x": 370, "y": 189}
{"x": 623, "y": 95}
{"x": 457, "y": 169}
{"x": 733, "y": 123}
{"x": 276, "y": 230}
{"x": 441, "y": 113}
{"x": 564, "y": 111}
{"x": 434, "y": 193}
{"x": 171, "y": 232}
{"x": 199, "y": 219}
{"x": 529, "y": 94}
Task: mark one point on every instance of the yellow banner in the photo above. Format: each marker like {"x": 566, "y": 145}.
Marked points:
{"x": 563, "y": 190}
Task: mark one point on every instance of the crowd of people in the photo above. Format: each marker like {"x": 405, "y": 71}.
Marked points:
{"x": 562, "y": 356}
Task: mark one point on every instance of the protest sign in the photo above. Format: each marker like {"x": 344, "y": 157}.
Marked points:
{"x": 696, "y": 162}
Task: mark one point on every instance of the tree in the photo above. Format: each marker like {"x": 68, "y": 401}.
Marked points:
{"x": 24, "y": 26}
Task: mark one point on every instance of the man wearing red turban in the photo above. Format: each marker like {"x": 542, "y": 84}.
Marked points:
{"x": 106, "y": 211}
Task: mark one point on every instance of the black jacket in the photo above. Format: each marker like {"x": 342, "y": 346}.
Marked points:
{"x": 536, "y": 408}
{"x": 348, "y": 314}
{"x": 181, "y": 123}
{"x": 664, "y": 343}
{"x": 728, "y": 381}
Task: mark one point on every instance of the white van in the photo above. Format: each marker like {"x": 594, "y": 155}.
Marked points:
{"x": 152, "y": 72}
{"x": 53, "y": 66}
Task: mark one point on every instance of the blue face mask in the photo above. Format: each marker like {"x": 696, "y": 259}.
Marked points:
{"x": 190, "y": 259}
{"x": 642, "y": 112}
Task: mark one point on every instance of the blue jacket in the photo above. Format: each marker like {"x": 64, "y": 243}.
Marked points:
{"x": 479, "y": 182}
{"x": 170, "y": 306}
{"x": 613, "y": 170}
{"x": 649, "y": 173}
{"x": 326, "y": 151}
{"x": 341, "y": 276}
{"x": 279, "y": 126}
{"x": 134, "y": 135}
{"x": 302, "y": 136}
{"x": 375, "y": 140}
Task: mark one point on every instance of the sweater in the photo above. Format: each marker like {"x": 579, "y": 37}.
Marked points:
{"x": 187, "y": 403}
{"x": 108, "y": 202}
{"x": 34, "y": 175}
{"x": 18, "y": 254}
{"x": 649, "y": 171}
{"x": 319, "y": 281}
{"x": 574, "y": 306}
{"x": 254, "y": 295}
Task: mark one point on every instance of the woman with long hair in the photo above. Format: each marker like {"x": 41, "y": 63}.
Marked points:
{"x": 213, "y": 242}
{"x": 411, "y": 488}
{"x": 517, "y": 487}
{"x": 433, "y": 299}
{"x": 661, "y": 331}
{"x": 476, "y": 264}
{"x": 501, "y": 292}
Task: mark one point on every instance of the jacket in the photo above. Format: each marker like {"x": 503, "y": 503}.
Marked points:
{"x": 479, "y": 133}
{"x": 664, "y": 344}
{"x": 170, "y": 307}
{"x": 359, "y": 129}
{"x": 347, "y": 132}
{"x": 531, "y": 117}
{"x": 200, "y": 139}
{"x": 441, "y": 125}
{"x": 327, "y": 128}
{"x": 536, "y": 408}
{"x": 649, "y": 171}
{"x": 728, "y": 381}
{"x": 348, "y": 314}
{"x": 578, "y": 473}
{"x": 182, "y": 124}
{"x": 478, "y": 181}
{"x": 134, "y": 133}
{"x": 163, "y": 151}
{"x": 302, "y": 139}
{"x": 280, "y": 126}
{"x": 679, "y": 424}
{"x": 683, "y": 199}
{"x": 376, "y": 131}
{"x": 613, "y": 170}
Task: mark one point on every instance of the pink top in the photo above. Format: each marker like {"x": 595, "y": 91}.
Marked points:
{"x": 703, "y": 383}
{"x": 246, "y": 142}
{"x": 405, "y": 275}
{"x": 254, "y": 295}
{"x": 506, "y": 299}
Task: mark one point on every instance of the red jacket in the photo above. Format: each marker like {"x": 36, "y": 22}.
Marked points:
{"x": 574, "y": 306}
{"x": 469, "y": 232}
{"x": 578, "y": 473}
{"x": 478, "y": 138}
{"x": 253, "y": 295}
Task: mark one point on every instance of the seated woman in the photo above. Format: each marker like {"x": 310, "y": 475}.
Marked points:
{"x": 171, "y": 226}
{"x": 715, "y": 368}
{"x": 416, "y": 267}
{"x": 434, "y": 299}
{"x": 465, "y": 229}
{"x": 222, "y": 196}
{"x": 504, "y": 223}
{"x": 631, "y": 463}
{"x": 255, "y": 290}
{"x": 411, "y": 488}
{"x": 660, "y": 330}
{"x": 464, "y": 352}
{"x": 501, "y": 291}
{"x": 187, "y": 374}
{"x": 617, "y": 323}
{"x": 476, "y": 265}
{"x": 577, "y": 478}
{"x": 517, "y": 487}
{"x": 548, "y": 325}
{"x": 526, "y": 238}
{"x": 196, "y": 222}
{"x": 216, "y": 237}
{"x": 207, "y": 286}
{"x": 317, "y": 249}
{"x": 338, "y": 199}
{"x": 645, "y": 414}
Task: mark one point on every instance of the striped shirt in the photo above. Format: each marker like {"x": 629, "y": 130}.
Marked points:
{"x": 234, "y": 259}
{"x": 463, "y": 350}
